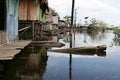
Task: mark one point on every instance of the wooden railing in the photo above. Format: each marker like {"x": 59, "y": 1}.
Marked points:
{"x": 2, "y": 37}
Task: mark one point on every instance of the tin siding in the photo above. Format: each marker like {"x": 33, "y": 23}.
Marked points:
{"x": 12, "y": 20}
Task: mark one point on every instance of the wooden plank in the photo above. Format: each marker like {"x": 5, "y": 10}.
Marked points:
{"x": 8, "y": 55}
{"x": 7, "y": 52}
{"x": 24, "y": 28}
{"x": 33, "y": 10}
{"x": 29, "y": 10}
{"x": 51, "y": 44}
{"x": 23, "y": 9}
{"x": 42, "y": 42}
{"x": 2, "y": 37}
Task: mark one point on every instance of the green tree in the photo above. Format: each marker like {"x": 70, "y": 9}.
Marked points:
{"x": 98, "y": 23}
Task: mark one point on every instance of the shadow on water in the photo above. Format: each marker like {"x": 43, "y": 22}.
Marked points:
{"x": 30, "y": 64}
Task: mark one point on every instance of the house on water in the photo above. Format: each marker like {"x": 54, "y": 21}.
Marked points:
{"x": 13, "y": 12}
{"x": 8, "y": 21}
{"x": 33, "y": 12}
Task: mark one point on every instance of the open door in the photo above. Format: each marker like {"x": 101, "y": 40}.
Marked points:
{"x": 2, "y": 14}
{"x": 2, "y": 21}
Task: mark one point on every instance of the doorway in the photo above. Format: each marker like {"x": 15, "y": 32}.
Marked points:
{"x": 2, "y": 14}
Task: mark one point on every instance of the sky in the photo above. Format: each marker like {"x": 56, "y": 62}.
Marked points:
{"x": 105, "y": 10}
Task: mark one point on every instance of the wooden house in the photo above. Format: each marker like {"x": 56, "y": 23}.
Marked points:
{"x": 29, "y": 10}
{"x": 52, "y": 20}
{"x": 33, "y": 12}
{"x": 8, "y": 21}
{"x": 62, "y": 24}
{"x": 24, "y": 11}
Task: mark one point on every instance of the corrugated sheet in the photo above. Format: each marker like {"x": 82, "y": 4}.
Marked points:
{"x": 12, "y": 6}
{"x": 29, "y": 10}
{"x": 12, "y": 20}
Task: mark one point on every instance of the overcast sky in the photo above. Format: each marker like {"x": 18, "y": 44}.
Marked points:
{"x": 106, "y": 10}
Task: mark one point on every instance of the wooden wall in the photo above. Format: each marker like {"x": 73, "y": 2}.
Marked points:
{"x": 2, "y": 37}
{"x": 29, "y": 9}
{"x": 23, "y": 10}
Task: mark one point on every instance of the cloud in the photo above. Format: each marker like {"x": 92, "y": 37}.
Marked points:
{"x": 62, "y": 7}
{"x": 100, "y": 9}
{"x": 95, "y": 7}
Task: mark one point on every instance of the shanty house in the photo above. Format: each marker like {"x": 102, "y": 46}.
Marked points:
{"x": 33, "y": 12}
{"x": 12, "y": 11}
{"x": 8, "y": 21}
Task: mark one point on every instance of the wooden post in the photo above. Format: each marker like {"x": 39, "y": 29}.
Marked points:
{"x": 33, "y": 32}
{"x": 41, "y": 35}
{"x": 72, "y": 13}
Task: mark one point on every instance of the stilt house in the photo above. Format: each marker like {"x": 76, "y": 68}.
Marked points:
{"x": 13, "y": 11}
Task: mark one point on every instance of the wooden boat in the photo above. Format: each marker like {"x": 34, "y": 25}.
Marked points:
{"x": 86, "y": 50}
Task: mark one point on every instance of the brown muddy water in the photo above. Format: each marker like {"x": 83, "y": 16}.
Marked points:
{"x": 35, "y": 63}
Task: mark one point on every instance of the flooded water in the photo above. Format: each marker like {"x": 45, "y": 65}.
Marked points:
{"x": 34, "y": 63}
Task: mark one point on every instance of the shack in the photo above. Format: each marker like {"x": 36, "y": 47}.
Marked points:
{"x": 33, "y": 12}
{"x": 13, "y": 12}
{"x": 8, "y": 21}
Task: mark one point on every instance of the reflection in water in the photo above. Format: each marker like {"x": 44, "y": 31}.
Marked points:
{"x": 31, "y": 63}
{"x": 28, "y": 65}
{"x": 70, "y": 66}
{"x": 100, "y": 54}
{"x": 96, "y": 34}
{"x": 116, "y": 40}
{"x": 85, "y": 36}
{"x": 66, "y": 37}
{"x": 93, "y": 34}
{"x": 35, "y": 66}
{"x": 70, "y": 58}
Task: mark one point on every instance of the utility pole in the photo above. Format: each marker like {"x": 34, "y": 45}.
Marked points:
{"x": 72, "y": 13}
{"x": 72, "y": 18}
{"x": 70, "y": 55}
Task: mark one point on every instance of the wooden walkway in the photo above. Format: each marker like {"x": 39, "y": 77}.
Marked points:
{"x": 7, "y": 52}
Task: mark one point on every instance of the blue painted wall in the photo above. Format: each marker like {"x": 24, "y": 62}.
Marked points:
{"x": 12, "y": 20}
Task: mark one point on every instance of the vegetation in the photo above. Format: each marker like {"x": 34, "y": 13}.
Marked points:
{"x": 116, "y": 41}
{"x": 54, "y": 13}
{"x": 86, "y": 22}
{"x": 116, "y": 31}
{"x": 98, "y": 23}
{"x": 67, "y": 19}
